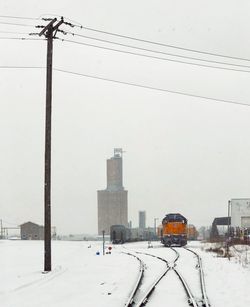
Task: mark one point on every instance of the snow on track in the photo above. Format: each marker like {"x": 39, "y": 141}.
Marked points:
{"x": 153, "y": 269}
{"x": 190, "y": 300}
{"x": 187, "y": 265}
{"x": 82, "y": 278}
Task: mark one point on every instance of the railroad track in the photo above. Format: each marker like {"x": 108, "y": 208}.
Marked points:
{"x": 191, "y": 300}
{"x": 139, "y": 278}
{"x": 205, "y": 301}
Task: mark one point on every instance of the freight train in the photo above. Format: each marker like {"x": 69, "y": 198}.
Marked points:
{"x": 173, "y": 230}
{"x": 120, "y": 234}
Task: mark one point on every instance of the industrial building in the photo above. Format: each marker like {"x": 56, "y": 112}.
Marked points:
{"x": 142, "y": 219}
{"x": 236, "y": 225}
{"x": 219, "y": 227}
{"x": 32, "y": 231}
{"x": 240, "y": 212}
{"x": 113, "y": 201}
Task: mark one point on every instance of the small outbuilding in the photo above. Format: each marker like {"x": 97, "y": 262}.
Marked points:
{"x": 32, "y": 231}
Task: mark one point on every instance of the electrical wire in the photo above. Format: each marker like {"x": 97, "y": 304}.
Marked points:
{"x": 153, "y": 57}
{"x": 166, "y": 45}
{"x": 125, "y": 36}
{"x": 41, "y": 17}
{"x": 10, "y": 223}
{"x": 24, "y": 38}
{"x": 16, "y": 24}
{"x": 153, "y": 88}
{"x": 132, "y": 84}
{"x": 10, "y": 32}
{"x": 18, "y": 17}
{"x": 21, "y": 67}
{"x": 154, "y": 51}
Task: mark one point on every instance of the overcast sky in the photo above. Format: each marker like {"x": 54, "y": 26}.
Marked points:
{"x": 183, "y": 154}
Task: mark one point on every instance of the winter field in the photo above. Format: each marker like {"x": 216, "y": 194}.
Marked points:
{"x": 80, "y": 277}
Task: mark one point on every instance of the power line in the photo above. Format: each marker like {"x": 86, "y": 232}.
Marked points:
{"x": 125, "y": 36}
{"x": 166, "y": 45}
{"x": 10, "y": 223}
{"x": 131, "y": 84}
{"x": 155, "y": 51}
{"x": 41, "y": 17}
{"x": 23, "y": 38}
{"x": 129, "y": 37}
{"x": 16, "y": 24}
{"x": 153, "y": 88}
{"x": 153, "y": 57}
{"x": 21, "y": 67}
{"x": 12, "y": 32}
{"x": 18, "y": 17}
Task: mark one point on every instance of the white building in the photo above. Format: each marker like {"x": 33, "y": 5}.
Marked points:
{"x": 240, "y": 212}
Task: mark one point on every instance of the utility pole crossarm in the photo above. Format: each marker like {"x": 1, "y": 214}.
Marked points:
{"x": 51, "y": 28}
{"x": 47, "y": 27}
{"x": 55, "y": 28}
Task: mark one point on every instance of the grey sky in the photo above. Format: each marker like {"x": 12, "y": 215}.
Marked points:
{"x": 183, "y": 154}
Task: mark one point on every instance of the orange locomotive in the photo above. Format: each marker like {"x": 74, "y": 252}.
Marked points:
{"x": 174, "y": 230}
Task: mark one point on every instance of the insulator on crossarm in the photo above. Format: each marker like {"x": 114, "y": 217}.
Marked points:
{"x": 63, "y": 32}
{"x": 69, "y": 24}
{"x": 47, "y": 19}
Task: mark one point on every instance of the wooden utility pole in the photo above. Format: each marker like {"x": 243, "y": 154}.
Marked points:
{"x": 49, "y": 31}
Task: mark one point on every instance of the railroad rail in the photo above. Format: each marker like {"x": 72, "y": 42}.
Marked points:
{"x": 145, "y": 298}
{"x": 191, "y": 298}
{"x": 192, "y": 301}
{"x": 205, "y": 301}
{"x": 130, "y": 300}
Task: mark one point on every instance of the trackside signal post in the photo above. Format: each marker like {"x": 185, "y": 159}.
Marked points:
{"x": 49, "y": 31}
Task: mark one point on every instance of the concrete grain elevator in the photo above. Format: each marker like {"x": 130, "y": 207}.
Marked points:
{"x": 113, "y": 202}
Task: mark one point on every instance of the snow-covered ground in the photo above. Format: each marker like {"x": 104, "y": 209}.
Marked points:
{"x": 80, "y": 277}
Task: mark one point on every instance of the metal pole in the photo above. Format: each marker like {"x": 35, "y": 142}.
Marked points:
{"x": 228, "y": 218}
{"x": 228, "y": 235}
{"x": 103, "y": 242}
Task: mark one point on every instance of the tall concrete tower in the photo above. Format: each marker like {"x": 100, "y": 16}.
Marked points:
{"x": 142, "y": 219}
{"x": 113, "y": 202}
